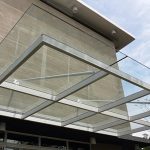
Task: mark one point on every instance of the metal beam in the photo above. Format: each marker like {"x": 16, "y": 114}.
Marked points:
{"x": 115, "y": 115}
{"x": 20, "y": 60}
{"x": 26, "y": 90}
{"x": 90, "y": 60}
{"x": 139, "y": 116}
{"x": 124, "y": 100}
{"x": 112, "y": 105}
{"x": 131, "y": 131}
{"x": 82, "y": 84}
{"x": 109, "y": 125}
{"x": 77, "y": 118}
{"x": 60, "y": 76}
{"x": 142, "y": 122}
{"x": 46, "y": 96}
{"x": 69, "y": 91}
{"x": 135, "y": 119}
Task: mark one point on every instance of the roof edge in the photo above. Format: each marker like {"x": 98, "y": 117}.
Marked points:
{"x": 86, "y": 15}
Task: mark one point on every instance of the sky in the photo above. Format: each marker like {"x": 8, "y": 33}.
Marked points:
{"x": 134, "y": 17}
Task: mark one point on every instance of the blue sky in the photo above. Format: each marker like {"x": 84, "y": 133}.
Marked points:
{"x": 133, "y": 16}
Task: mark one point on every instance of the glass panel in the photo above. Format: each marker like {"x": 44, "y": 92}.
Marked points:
{"x": 120, "y": 55}
{"x": 135, "y": 107}
{"x": 126, "y": 127}
{"x": 135, "y": 69}
{"x": 39, "y": 71}
{"x": 147, "y": 119}
{"x": 51, "y": 71}
{"x": 104, "y": 91}
{"x": 33, "y": 24}
{"x": 121, "y": 110}
{"x": 16, "y": 101}
{"x": 97, "y": 120}
{"x": 60, "y": 112}
{"x": 126, "y": 109}
{"x": 122, "y": 127}
{"x": 129, "y": 88}
{"x": 101, "y": 92}
{"x": 138, "y": 106}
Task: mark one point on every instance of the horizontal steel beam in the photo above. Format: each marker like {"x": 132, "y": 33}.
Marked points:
{"x": 109, "y": 125}
{"x": 77, "y": 118}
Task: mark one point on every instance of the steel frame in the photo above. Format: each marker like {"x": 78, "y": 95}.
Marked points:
{"x": 91, "y": 110}
{"x": 111, "y": 106}
{"x": 106, "y": 69}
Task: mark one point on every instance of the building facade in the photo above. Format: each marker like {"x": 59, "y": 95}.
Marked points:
{"x": 59, "y": 64}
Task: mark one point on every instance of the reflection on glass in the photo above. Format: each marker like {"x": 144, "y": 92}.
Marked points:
{"x": 122, "y": 127}
{"x": 60, "y": 112}
{"x": 16, "y": 101}
{"x": 97, "y": 120}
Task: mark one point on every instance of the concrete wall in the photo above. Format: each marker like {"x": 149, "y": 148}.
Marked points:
{"x": 47, "y": 61}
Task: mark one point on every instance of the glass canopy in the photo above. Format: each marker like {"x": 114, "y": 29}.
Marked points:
{"x": 46, "y": 78}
